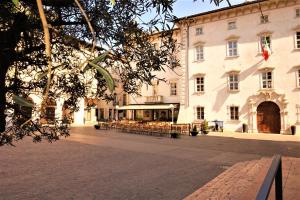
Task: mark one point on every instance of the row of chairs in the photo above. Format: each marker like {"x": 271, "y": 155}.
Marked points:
{"x": 156, "y": 129}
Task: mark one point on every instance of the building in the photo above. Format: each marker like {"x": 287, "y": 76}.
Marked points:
{"x": 225, "y": 76}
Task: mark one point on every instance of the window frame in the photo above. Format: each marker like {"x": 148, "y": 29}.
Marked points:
{"x": 269, "y": 40}
{"x": 172, "y": 89}
{"x": 199, "y": 31}
{"x": 200, "y": 85}
{"x": 264, "y": 19}
{"x": 267, "y": 80}
{"x": 298, "y": 78}
{"x": 200, "y": 112}
{"x": 297, "y": 12}
{"x": 199, "y": 53}
{"x": 233, "y": 82}
{"x": 231, "y": 25}
{"x": 234, "y": 113}
{"x": 232, "y": 51}
{"x": 297, "y": 39}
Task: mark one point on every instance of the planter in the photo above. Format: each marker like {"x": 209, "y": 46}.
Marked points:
{"x": 174, "y": 135}
{"x": 205, "y": 131}
{"x": 245, "y": 128}
{"x": 97, "y": 126}
{"x": 293, "y": 130}
{"x": 194, "y": 133}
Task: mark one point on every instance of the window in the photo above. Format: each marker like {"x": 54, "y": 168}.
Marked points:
{"x": 234, "y": 113}
{"x": 232, "y": 49}
{"x": 199, "y": 31}
{"x": 297, "y": 39}
{"x": 124, "y": 99}
{"x": 200, "y": 113}
{"x": 233, "y": 82}
{"x": 173, "y": 89}
{"x": 264, "y": 19}
{"x": 200, "y": 84}
{"x": 199, "y": 55}
{"x": 266, "y": 80}
{"x": 88, "y": 115}
{"x": 264, "y": 40}
{"x": 298, "y": 78}
{"x": 298, "y": 12}
{"x": 231, "y": 25}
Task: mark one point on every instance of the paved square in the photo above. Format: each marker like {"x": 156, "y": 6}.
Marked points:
{"x": 97, "y": 164}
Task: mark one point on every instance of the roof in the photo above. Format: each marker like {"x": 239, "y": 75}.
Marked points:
{"x": 219, "y": 10}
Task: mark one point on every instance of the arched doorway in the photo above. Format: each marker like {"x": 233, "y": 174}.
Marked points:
{"x": 268, "y": 117}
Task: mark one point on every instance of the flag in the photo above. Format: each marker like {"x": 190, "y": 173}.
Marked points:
{"x": 265, "y": 48}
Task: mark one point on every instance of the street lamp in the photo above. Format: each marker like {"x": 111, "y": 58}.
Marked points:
{"x": 171, "y": 106}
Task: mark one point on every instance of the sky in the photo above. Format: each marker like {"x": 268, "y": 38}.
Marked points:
{"x": 184, "y": 8}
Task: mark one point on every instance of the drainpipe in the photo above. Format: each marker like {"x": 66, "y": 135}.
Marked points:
{"x": 187, "y": 101}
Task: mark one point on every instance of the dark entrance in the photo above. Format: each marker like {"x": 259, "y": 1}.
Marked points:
{"x": 268, "y": 117}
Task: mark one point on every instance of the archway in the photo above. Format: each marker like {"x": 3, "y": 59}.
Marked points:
{"x": 268, "y": 117}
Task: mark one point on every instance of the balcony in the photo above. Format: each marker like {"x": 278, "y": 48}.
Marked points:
{"x": 154, "y": 99}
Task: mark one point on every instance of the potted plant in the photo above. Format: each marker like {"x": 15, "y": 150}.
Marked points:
{"x": 174, "y": 135}
{"x": 204, "y": 127}
{"x": 194, "y": 131}
{"x": 293, "y": 129}
{"x": 97, "y": 126}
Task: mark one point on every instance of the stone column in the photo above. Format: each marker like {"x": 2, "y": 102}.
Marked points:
{"x": 79, "y": 115}
{"x": 283, "y": 116}
{"x": 252, "y": 117}
{"x": 58, "y": 109}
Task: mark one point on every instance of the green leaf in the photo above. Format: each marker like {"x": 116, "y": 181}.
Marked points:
{"x": 22, "y": 102}
{"x": 106, "y": 75}
{"x": 16, "y": 2}
{"x": 100, "y": 58}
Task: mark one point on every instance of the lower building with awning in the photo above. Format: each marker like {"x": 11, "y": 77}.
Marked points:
{"x": 149, "y": 112}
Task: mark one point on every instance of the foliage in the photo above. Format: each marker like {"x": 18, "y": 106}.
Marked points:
{"x": 204, "y": 126}
{"x": 74, "y": 27}
{"x": 194, "y": 128}
{"x": 24, "y": 63}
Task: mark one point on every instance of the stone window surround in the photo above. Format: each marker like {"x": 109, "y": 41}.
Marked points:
{"x": 199, "y": 53}
{"x": 200, "y": 112}
{"x": 297, "y": 39}
{"x": 297, "y": 12}
{"x": 195, "y": 76}
{"x": 264, "y": 19}
{"x": 231, "y": 25}
{"x": 199, "y": 30}
{"x": 267, "y": 80}
{"x": 264, "y": 34}
{"x": 236, "y": 113}
{"x": 231, "y": 73}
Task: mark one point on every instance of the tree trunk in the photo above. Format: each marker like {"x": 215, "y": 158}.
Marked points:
{"x": 3, "y": 70}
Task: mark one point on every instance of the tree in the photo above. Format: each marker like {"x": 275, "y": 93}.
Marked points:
{"x": 113, "y": 30}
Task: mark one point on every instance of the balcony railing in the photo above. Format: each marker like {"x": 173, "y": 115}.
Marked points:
{"x": 154, "y": 99}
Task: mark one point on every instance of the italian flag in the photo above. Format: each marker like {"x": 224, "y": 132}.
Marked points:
{"x": 265, "y": 48}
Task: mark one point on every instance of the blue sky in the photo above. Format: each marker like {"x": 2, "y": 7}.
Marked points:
{"x": 189, "y": 7}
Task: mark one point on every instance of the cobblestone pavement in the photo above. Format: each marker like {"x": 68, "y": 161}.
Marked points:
{"x": 109, "y": 165}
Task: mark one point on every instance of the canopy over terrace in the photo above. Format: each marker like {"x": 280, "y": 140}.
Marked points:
{"x": 152, "y": 112}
